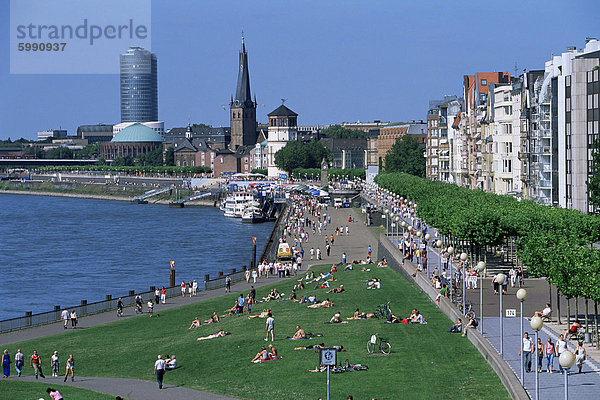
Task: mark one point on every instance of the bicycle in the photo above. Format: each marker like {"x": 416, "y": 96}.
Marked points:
{"x": 383, "y": 311}
{"x": 378, "y": 344}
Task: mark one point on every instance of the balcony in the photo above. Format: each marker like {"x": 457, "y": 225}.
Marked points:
{"x": 522, "y": 155}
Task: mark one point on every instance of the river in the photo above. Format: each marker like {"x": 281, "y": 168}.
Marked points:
{"x": 58, "y": 251}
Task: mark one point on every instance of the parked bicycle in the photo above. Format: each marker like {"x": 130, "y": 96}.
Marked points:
{"x": 378, "y": 344}
{"x": 383, "y": 311}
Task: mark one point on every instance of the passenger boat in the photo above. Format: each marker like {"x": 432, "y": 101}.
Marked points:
{"x": 252, "y": 215}
{"x": 237, "y": 203}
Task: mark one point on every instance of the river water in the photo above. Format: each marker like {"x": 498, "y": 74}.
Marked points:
{"x": 58, "y": 251}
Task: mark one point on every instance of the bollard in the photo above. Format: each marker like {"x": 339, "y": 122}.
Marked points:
{"x": 233, "y": 270}
{"x": 206, "y": 277}
{"x": 152, "y": 288}
{"x": 244, "y": 268}
{"x": 132, "y": 292}
{"x": 28, "y": 315}
{"x": 56, "y": 308}
{"x": 108, "y": 297}
{"x": 172, "y": 277}
{"x": 220, "y": 274}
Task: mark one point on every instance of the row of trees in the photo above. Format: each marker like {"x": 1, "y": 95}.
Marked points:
{"x": 170, "y": 170}
{"x": 554, "y": 243}
{"x": 315, "y": 173}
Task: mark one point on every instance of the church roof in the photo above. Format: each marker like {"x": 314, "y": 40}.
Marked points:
{"x": 282, "y": 111}
{"x": 243, "y": 98}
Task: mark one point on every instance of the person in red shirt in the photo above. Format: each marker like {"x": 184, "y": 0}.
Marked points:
{"x": 163, "y": 295}
{"x": 183, "y": 288}
{"x": 36, "y": 364}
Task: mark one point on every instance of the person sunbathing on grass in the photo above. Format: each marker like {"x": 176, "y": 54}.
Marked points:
{"x": 336, "y": 319}
{"x": 262, "y": 355}
{"x": 221, "y": 333}
{"x": 336, "y": 290}
{"x": 333, "y": 268}
{"x": 310, "y": 347}
{"x": 213, "y": 319}
{"x": 232, "y": 310}
{"x": 273, "y": 352}
{"x": 322, "y": 285}
{"x": 263, "y": 314}
{"x": 359, "y": 315}
{"x": 195, "y": 323}
{"x": 300, "y": 334}
{"x": 324, "y": 303}
{"x": 365, "y": 269}
{"x": 299, "y": 286}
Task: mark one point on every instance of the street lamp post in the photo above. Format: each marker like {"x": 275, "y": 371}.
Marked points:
{"x": 386, "y": 212}
{"x": 463, "y": 258}
{"x": 439, "y": 244}
{"x": 521, "y": 296}
{"x": 419, "y": 235}
{"x": 566, "y": 361}
{"x": 427, "y": 237}
{"x": 450, "y": 251}
{"x": 500, "y": 278}
{"x": 481, "y": 266}
{"x": 536, "y": 324}
{"x": 398, "y": 227}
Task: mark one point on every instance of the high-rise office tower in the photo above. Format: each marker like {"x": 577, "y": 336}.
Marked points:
{"x": 139, "y": 88}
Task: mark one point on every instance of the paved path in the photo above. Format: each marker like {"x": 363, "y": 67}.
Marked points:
{"x": 354, "y": 245}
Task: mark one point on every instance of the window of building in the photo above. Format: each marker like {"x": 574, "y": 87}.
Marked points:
{"x": 484, "y": 82}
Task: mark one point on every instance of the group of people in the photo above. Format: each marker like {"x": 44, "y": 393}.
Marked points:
{"x": 35, "y": 362}
{"x": 549, "y": 351}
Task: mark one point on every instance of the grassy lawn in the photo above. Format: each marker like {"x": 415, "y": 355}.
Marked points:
{"x": 13, "y": 389}
{"x": 426, "y": 361}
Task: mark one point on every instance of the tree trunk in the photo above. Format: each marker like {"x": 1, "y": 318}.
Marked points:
{"x": 568, "y": 312}
{"x": 586, "y": 316}
{"x": 576, "y": 308}
{"x": 558, "y": 306}
{"x": 596, "y": 319}
{"x": 550, "y": 294}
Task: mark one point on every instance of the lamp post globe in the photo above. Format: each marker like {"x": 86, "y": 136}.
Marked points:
{"x": 536, "y": 323}
{"x": 397, "y": 218}
{"x": 438, "y": 244}
{"x": 521, "y": 294}
{"x": 427, "y": 236}
{"x": 500, "y": 278}
{"x": 403, "y": 224}
{"x": 566, "y": 359}
{"x": 419, "y": 234}
{"x": 481, "y": 266}
{"x": 450, "y": 250}
{"x": 463, "y": 256}
{"x": 410, "y": 227}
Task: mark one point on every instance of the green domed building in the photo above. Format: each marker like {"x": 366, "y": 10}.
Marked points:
{"x": 133, "y": 141}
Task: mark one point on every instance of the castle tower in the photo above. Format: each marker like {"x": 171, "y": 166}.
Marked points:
{"x": 242, "y": 112}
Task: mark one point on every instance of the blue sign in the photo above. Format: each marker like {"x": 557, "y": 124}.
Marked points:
{"x": 283, "y": 176}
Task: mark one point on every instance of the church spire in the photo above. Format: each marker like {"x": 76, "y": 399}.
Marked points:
{"x": 243, "y": 97}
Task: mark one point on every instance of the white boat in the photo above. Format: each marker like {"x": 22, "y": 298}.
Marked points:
{"x": 252, "y": 215}
{"x": 237, "y": 203}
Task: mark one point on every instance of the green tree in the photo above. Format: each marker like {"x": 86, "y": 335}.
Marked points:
{"x": 339, "y": 132}
{"x": 593, "y": 183}
{"x": 299, "y": 155}
{"x": 89, "y": 151}
{"x": 123, "y": 161}
{"x": 406, "y": 155}
{"x": 59, "y": 152}
{"x": 170, "y": 157}
{"x": 154, "y": 158}
{"x": 262, "y": 171}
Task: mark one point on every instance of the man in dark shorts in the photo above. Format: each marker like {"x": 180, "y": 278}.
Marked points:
{"x": 253, "y": 294}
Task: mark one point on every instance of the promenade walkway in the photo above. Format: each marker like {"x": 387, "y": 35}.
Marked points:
{"x": 551, "y": 386}
{"x": 354, "y": 245}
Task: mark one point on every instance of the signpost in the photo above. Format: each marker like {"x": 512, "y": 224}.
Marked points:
{"x": 328, "y": 357}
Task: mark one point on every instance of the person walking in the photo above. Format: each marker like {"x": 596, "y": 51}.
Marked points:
{"x": 163, "y": 295}
{"x": 270, "y": 325}
{"x": 549, "y": 350}
{"x": 36, "y": 363}
{"x": 228, "y": 284}
{"x": 247, "y": 275}
{"x": 344, "y": 258}
{"x": 328, "y": 248}
{"x": 254, "y": 276}
{"x": 540, "y": 354}
{"x": 194, "y": 287}
{"x": 70, "y": 368}
{"x": 156, "y": 295}
{"x": 159, "y": 370}
{"x": 64, "y": 315}
{"x": 6, "y": 364}
{"x": 561, "y": 347}
{"x": 19, "y": 362}
{"x": 54, "y": 363}
{"x": 527, "y": 349}
{"x": 73, "y": 319}
{"x": 579, "y": 356}
{"x": 182, "y": 288}
{"x": 189, "y": 288}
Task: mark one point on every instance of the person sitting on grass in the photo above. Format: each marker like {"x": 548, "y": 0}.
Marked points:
{"x": 171, "y": 362}
{"x": 300, "y": 334}
{"x": 308, "y": 299}
{"x": 471, "y": 323}
{"x": 232, "y": 310}
{"x": 336, "y": 290}
{"x": 54, "y": 394}
{"x": 382, "y": 263}
{"x": 299, "y": 286}
{"x": 365, "y": 269}
{"x": 393, "y": 319}
{"x": 417, "y": 318}
{"x": 322, "y": 285}
{"x": 273, "y": 352}
{"x": 337, "y": 319}
{"x": 195, "y": 323}
{"x": 333, "y": 268}
{"x": 293, "y": 296}
{"x": 221, "y": 333}
{"x": 457, "y": 327}
{"x": 375, "y": 283}
{"x": 213, "y": 319}
{"x": 348, "y": 267}
{"x": 324, "y": 303}
{"x": 263, "y": 314}
{"x": 262, "y": 355}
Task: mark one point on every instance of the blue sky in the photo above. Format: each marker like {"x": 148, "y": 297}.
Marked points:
{"x": 333, "y": 61}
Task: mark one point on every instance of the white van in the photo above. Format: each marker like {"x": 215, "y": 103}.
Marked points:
{"x": 337, "y": 202}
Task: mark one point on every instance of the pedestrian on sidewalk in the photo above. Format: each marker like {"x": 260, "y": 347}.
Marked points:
{"x": 194, "y": 287}
{"x": 157, "y": 295}
{"x": 579, "y": 356}
{"x": 540, "y": 354}
{"x": 54, "y": 363}
{"x": 70, "y": 367}
{"x": 561, "y": 347}
{"x": 189, "y": 288}
{"x": 549, "y": 350}
{"x": 36, "y": 363}
{"x": 159, "y": 370}
{"x": 6, "y": 364}
{"x": 163, "y": 295}
{"x": 65, "y": 317}
{"x": 328, "y": 248}
{"x": 182, "y": 288}
{"x": 19, "y": 362}
{"x": 73, "y": 319}
{"x": 527, "y": 349}
{"x": 247, "y": 275}
{"x": 254, "y": 276}
{"x": 227, "y": 284}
